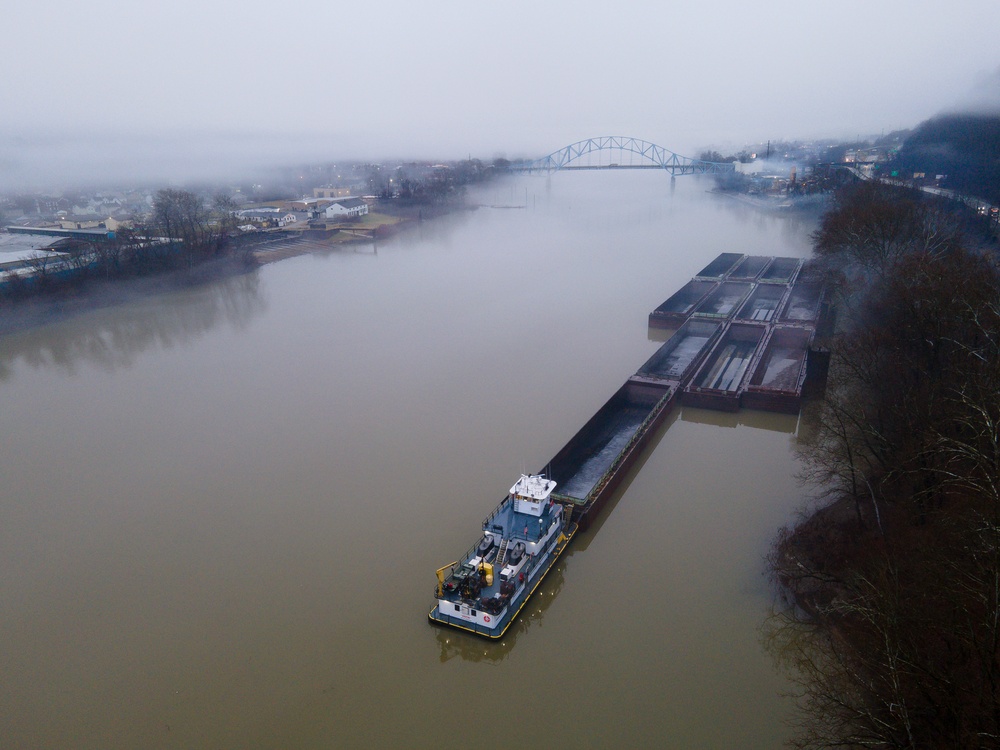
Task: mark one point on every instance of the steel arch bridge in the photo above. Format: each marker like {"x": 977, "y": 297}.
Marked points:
{"x": 650, "y": 155}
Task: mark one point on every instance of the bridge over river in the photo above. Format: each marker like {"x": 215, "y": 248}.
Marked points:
{"x": 620, "y": 152}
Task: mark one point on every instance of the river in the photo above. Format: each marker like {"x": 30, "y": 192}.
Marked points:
{"x": 222, "y": 507}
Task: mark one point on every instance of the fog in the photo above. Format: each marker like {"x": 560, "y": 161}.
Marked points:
{"x": 167, "y": 91}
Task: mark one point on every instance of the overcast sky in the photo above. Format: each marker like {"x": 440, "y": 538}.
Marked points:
{"x": 196, "y": 83}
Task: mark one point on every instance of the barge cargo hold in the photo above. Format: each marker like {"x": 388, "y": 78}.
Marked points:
{"x": 718, "y": 383}
{"x": 719, "y": 267}
{"x": 777, "y": 380}
{"x": 682, "y": 352}
{"x": 763, "y": 304}
{"x": 750, "y": 268}
{"x": 677, "y": 308}
{"x": 723, "y": 301}
{"x": 592, "y": 464}
{"x": 781, "y": 271}
{"x": 804, "y": 304}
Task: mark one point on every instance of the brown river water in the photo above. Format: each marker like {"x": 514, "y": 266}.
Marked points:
{"x": 221, "y": 509}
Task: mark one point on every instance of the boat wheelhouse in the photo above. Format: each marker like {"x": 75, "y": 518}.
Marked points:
{"x": 484, "y": 590}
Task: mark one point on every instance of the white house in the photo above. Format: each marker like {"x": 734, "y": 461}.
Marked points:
{"x": 346, "y": 207}
{"x": 267, "y": 215}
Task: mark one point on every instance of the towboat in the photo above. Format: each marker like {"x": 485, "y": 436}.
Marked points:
{"x": 483, "y": 591}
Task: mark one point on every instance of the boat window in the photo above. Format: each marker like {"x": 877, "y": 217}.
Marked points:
{"x": 473, "y": 613}
{"x": 458, "y": 608}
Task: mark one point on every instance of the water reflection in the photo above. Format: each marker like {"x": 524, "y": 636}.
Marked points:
{"x": 659, "y": 334}
{"x": 761, "y": 420}
{"x": 113, "y": 336}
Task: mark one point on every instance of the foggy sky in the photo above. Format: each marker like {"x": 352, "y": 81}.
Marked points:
{"x": 187, "y": 88}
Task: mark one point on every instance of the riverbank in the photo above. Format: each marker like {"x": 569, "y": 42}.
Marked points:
{"x": 80, "y": 295}
{"x": 366, "y": 232}
{"x": 893, "y": 630}
{"x": 89, "y": 295}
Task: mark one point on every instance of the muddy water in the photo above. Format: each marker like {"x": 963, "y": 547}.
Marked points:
{"x": 221, "y": 509}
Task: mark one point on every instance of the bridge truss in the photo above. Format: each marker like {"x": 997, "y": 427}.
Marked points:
{"x": 650, "y": 156}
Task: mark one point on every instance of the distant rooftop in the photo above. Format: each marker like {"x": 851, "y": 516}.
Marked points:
{"x": 21, "y": 246}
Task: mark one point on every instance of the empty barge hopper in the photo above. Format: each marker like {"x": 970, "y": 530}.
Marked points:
{"x": 719, "y": 267}
{"x": 804, "y": 305}
{"x": 781, "y": 271}
{"x": 750, "y": 267}
{"x": 723, "y": 301}
{"x": 594, "y": 461}
{"x": 763, "y": 303}
{"x": 777, "y": 380}
{"x": 682, "y": 352}
{"x": 718, "y": 382}
{"x": 676, "y": 309}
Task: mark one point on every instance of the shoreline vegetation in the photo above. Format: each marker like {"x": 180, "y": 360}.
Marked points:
{"x": 890, "y": 624}
{"x": 186, "y": 241}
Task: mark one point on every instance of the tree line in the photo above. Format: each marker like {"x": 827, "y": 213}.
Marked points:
{"x": 181, "y": 231}
{"x": 892, "y": 629}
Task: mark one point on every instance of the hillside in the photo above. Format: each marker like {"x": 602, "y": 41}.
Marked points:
{"x": 965, "y": 147}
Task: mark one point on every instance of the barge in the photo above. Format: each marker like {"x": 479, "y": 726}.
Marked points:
{"x": 678, "y": 307}
{"x": 718, "y": 382}
{"x": 804, "y": 304}
{"x": 750, "y": 268}
{"x": 723, "y": 301}
{"x": 721, "y": 266}
{"x": 592, "y": 464}
{"x": 777, "y": 381}
{"x": 763, "y": 304}
{"x": 682, "y": 352}
{"x": 731, "y": 348}
{"x": 781, "y": 271}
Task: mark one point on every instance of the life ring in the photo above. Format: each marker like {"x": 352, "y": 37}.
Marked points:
{"x": 486, "y": 618}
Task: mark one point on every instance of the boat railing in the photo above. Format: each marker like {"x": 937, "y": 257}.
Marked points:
{"x": 474, "y": 549}
{"x": 524, "y": 577}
